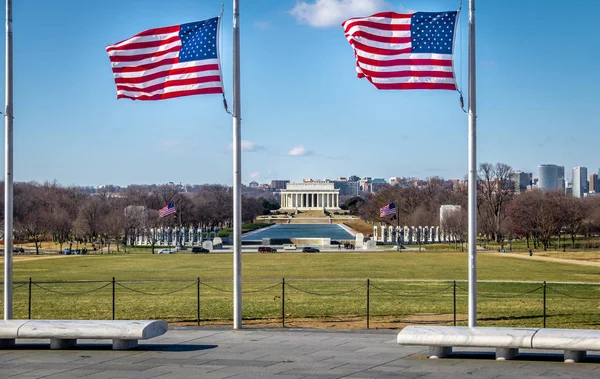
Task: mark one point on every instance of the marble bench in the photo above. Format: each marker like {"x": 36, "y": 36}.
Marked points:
{"x": 507, "y": 341}
{"x": 65, "y": 333}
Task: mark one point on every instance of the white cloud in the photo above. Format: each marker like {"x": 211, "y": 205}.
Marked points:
{"x": 326, "y": 13}
{"x": 249, "y": 146}
{"x": 298, "y": 151}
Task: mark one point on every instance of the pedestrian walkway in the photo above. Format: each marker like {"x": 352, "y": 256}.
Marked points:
{"x": 197, "y": 352}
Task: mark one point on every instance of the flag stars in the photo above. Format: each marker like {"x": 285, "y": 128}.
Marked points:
{"x": 432, "y": 32}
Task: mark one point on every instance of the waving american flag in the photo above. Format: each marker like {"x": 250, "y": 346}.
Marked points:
{"x": 167, "y": 210}
{"x": 404, "y": 51}
{"x": 168, "y": 62}
{"x": 387, "y": 210}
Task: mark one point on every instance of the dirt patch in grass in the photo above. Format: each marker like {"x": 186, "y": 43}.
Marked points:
{"x": 582, "y": 261}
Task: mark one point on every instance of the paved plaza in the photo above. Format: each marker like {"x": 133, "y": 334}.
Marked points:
{"x": 199, "y": 352}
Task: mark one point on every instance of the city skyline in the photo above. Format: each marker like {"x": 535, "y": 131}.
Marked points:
{"x": 304, "y": 112}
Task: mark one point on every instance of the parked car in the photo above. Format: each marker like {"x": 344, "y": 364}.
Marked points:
{"x": 198, "y": 249}
{"x": 166, "y": 251}
{"x": 266, "y": 249}
{"x": 309, "y": 249}
{"x": 18, "y": 250}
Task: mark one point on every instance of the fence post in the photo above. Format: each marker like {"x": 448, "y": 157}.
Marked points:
{"x": 368, "y": 301}
{"x": 544, "y": 303}
{"x": 198, "y": 301}
{"x": 29, "y": 304}
{"x": 454, "y": 298}
{"x": 283, "y": 302}
{"x": 113, "y": 298}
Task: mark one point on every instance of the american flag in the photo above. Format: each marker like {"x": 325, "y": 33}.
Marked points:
{"x": 387, "y": 210}
{"x": 168, "y": 62}
{"x": 404, "y": 51}
{"x": 166, "y": 210}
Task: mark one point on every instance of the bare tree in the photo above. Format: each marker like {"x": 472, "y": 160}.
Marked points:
{"x": 454, "y": 225}
{"x": 495, "y": 187}
{"x": 573, "y": 212}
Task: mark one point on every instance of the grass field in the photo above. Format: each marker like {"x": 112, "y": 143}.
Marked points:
{"x": 327, "y": 289}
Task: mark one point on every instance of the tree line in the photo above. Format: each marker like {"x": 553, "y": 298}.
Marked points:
{"x": 502, "y": 214}
{"x": 71, "y": 214}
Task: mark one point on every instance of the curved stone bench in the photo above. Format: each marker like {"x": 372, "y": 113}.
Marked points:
{"x": 65, "y": 333}
{"x": 507, "y": 341}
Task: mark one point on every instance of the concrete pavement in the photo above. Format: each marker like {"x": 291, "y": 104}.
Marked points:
{"x": 200, "y": 352}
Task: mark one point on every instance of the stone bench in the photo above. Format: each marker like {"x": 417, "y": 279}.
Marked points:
{"x": 507, "y": 341}
{"x": 65, "y": 333}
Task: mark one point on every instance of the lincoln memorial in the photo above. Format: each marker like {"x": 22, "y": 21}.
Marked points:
{"x": 310, "y": 195}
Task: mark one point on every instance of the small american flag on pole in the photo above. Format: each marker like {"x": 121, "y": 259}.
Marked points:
{"x": 404, "y": 51}
{"x": 387, "y": 210}
{"x": 166, "y": 210}
{"x": 168, "y": 62}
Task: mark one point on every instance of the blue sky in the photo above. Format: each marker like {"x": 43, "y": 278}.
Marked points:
{"x": 305, "y": 114}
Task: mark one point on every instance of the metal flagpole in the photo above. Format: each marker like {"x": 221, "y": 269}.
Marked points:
{"x": 237, "y": 177}
{"x": 472, "y": 172}
{"x": 8, "y": 168}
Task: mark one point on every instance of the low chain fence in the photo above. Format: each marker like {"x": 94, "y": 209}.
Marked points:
{"x": 293, "y": 302}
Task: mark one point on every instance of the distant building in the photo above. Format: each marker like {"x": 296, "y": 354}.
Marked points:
{"x": 594, "y": 183}
{"x": 377, "y": 184}
{"x": 395, "y": 180}
{"x": 279, "y": 184}
{"x": 311, "y": 195}
{"x": 346, "y": 187}
{"x": 521, "y": 181}
{"x": 551, "y": 177}
{"x": 579, "y": 181}
{"x": 569, "y": 187}
{"x": 253, "y": 184}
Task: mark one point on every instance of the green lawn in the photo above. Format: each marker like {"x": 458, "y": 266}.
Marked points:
{"x": 318, "y": 286}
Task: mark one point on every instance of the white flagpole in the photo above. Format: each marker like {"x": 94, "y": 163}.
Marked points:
{"x": 8, "y": 168}
{"x": 472, "y": 172}
{"x": 237, "y": 176}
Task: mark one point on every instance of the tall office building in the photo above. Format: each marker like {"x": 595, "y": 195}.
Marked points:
{"x": 594, "y": 183}
{"x": 520, "y": 180}
{"x": 579, "y": 181}
{"x": 551, "y": 177}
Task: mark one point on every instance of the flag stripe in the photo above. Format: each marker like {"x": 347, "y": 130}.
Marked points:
{"x": 170, "y": 92}
{"x": 174, "y": 80}
{"x": 380, "y": 49}
{"x": 143, "y": 45}
{"x": 148, "y": 35}
{"x": 169, "y": 95}
{"x": 166, "y": 66}
{"x": 168, "y": 62}
{"x": 208, "y": 69}
{"x": 408, "y": 73}
{"x": 140, "y": 50}
{"x": 366, "y": 36}
{"x": 404, "y": 51}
